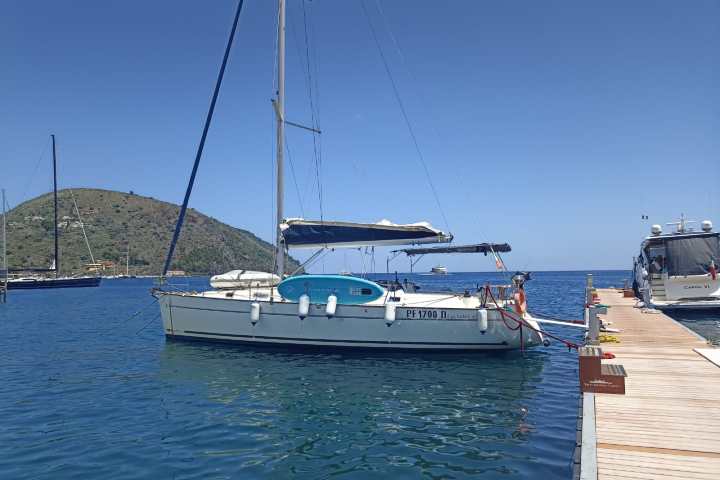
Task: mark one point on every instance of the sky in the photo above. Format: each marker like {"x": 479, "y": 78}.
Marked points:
{"x": 553, "y": 126}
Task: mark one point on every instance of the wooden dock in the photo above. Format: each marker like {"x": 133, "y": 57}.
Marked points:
{"x": 667, "y": 425}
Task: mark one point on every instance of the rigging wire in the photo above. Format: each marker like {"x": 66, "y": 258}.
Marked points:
{"x": 316, "y": 69}
{"x": 404, "y": 62}
{"x": 315, "y": 125}
{"x": 37, "y": 165}
{"x": 294, "y": 177}
{"x": 298, "y": 53}
{"x": 413, "y": 77}
{"x": 315, "y": 63}
{"x": 304, "y": 61}
{"x": 404, "y": 114}
{"x": 82, "y": 225}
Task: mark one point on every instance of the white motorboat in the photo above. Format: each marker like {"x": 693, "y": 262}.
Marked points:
{"x": 678, "y": 270}
{"x": 338, "y": 310}
{"x": 439, "y": 270}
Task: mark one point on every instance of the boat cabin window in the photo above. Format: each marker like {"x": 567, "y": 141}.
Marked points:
{"x": 692, "y": 255}
{"x": 656, "y": 256}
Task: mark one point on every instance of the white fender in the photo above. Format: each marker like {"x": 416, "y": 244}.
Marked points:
{"x": 331, "y": 306}
{"x": 389, "y": 313}
{"x": 482, "y": 319}
{"x": 303, "y": 306}
{"x": 254, "y": 312}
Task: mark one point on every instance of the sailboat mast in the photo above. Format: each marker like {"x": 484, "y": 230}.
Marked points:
{"x": 280, "y": 245}
{"x": 4, "y": 239}
{"x": 55, "y": 208}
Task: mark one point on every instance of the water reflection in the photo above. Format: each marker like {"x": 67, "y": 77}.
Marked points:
{"x": 329, "y": 413}
{"x": 706, "y": 323}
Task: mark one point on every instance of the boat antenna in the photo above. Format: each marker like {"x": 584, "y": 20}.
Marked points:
{"x": 682, "y": 224}
{"x": 280, "y": 114}
{"x": 198, "y": 155}
{"x": 55, "y": 208}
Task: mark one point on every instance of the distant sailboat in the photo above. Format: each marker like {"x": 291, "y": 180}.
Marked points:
{"x": 31, "y": 278}
{"x": 127, "y": 266}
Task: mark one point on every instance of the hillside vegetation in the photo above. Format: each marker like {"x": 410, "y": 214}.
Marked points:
{"x": 115, "y": 220}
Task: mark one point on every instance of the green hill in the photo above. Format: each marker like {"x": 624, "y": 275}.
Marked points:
{"x": 114, "y": 220}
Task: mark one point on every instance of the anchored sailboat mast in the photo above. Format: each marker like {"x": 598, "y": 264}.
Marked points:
{"x": 55, "y": 200}
{"x": 3, "y": 285}
{"x": 280, "y": 114}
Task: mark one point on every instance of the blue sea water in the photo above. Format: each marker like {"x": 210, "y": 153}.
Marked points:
{"x": 89, "y": 391}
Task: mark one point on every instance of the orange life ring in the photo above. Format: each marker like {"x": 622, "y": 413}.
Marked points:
{"x": 520, "y": 302}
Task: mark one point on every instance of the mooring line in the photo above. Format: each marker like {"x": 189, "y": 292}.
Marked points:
{"x": 148, "y": 323}
{"x": 133, "y": 315}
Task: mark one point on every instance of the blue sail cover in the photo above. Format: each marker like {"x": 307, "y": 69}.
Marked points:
{"x": 475, "y": 248}
{"x": 300, "y": 233}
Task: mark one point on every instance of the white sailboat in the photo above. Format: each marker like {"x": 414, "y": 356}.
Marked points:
{"x": 343, "y": 311}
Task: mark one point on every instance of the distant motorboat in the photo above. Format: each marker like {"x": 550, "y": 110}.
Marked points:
{"x": 439, "y": 270}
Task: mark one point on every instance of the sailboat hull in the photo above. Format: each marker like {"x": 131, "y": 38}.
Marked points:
{"x": 53, "y": 283}
{"x": 215, "y": 319}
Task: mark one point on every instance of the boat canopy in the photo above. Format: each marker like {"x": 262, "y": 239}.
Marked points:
{"x": 476, "y": 248}
{"x": 299, "y": 233}
{"x": 691, "y": 255}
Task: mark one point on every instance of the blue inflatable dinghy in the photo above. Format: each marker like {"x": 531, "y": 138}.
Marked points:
{"x": 348, "y": 290}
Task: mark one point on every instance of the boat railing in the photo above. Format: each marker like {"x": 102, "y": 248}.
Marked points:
{"x": 500, "y": 293}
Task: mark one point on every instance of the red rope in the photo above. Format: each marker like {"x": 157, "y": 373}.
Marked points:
{"x": 520, "y": 322}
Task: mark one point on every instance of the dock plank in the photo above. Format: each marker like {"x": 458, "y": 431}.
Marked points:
{"x": 667, "y": 425}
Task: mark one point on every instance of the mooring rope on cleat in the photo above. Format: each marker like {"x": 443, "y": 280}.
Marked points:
{"x": 522, "y": 322}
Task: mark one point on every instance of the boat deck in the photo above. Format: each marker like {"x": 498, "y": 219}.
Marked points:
{"x": 418, "y": 300}
{"x": 667, "y": 425}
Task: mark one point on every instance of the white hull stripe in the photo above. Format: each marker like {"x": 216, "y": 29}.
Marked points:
{"x": 247, "y": 312}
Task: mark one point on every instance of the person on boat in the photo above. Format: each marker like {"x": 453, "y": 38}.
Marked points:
{"x": 658, "y": 264}
{"x": 712, "y": 269}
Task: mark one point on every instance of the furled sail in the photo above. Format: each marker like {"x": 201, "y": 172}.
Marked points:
{"x": 299, "y": 233}
{"x": 475, "y": 248}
